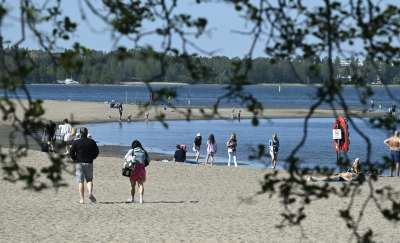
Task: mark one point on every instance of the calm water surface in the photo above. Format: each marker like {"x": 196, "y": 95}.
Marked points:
{"x": 318, "y": 149}
{"x": 201, "y": 95}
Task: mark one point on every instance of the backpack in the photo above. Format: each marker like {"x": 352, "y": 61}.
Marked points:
{"x": 147, "y": 159}
{"x": 140, "y": 156}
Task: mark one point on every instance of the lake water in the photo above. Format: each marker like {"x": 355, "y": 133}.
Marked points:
{"x": 200, "y": 95}
{"x": 318, "y": 149}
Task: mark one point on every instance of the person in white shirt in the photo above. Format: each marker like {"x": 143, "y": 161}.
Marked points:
{"x": 65, "y": 133}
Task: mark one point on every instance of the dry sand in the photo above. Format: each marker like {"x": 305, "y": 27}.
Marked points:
{"x": 183, "y": 203}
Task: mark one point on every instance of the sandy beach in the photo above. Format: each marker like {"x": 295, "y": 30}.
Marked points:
{"x": 87, "y": 112}
{"x": 183, "y": 202}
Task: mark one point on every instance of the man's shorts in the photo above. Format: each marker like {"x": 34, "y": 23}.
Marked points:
{"x": 395, "y": 154}
{"x": 84, "y": 171}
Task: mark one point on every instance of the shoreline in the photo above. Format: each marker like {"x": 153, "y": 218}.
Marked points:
{"x": 224, "y": 84}
{"x": 79, "y": 112}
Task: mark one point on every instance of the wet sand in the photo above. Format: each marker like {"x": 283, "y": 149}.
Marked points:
{"x": 85, "y": 112}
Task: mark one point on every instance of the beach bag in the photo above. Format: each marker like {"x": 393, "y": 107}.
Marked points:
{"x": 44, "y": 147}
{"x": 126, "y": 171}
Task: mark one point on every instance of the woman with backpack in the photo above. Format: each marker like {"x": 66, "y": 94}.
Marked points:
{"x": 274, "y": 149}
{"x": 231, "y": 144}
{"x": 211, "y": 149}
{"x": 137, "y": 159}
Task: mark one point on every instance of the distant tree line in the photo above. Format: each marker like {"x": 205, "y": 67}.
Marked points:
{"x": 110, "y": 68}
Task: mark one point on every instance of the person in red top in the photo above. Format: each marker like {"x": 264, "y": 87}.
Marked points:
{"x": 137, "y": 158}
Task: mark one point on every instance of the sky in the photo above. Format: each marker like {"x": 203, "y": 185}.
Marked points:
{"x": 221, "y": 38}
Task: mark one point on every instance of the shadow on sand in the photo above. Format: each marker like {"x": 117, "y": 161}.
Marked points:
{"x": 166, "y": 202}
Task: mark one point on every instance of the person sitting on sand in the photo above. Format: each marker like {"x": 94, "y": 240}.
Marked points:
{"x": 211, "y": 149}
{"x": 137, "y": 157}
{"x": 180, "y": 153}
{"x": 394, "y": 145}
{"x": 348, "y": 176}
{"x": 196, "y": 146}
{"x": 231, "y": 144}
{"x": 83, "y": 151}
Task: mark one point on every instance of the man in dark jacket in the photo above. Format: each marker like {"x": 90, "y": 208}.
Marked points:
{"x": 180, "y": 154}
{"x": 83, "y": 151}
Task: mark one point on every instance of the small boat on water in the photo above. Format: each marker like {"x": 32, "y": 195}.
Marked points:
{"x": 67, "y": 81}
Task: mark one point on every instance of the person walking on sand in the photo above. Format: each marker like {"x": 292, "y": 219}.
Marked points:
{"x": 51, "y": 132}
{"x": 65, "y": 133}
{"x": 274, "y": 149}
{"x": 211, "y": 149}
{"x": 196, "y": 146}
{"x": 69, "y": 138}
{"x": 394, "y": 146}
{"x": 137, "y": 158}
{"x": 83, "y": 151}
{"x": 231, "y": 144}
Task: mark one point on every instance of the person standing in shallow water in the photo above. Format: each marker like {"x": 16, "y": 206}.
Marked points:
{"x": 211, "y": 149}
{"x": 120, "y": 110}
{"x": 274, "y": 149}
{"x": 394, "y": 145}
{"x": 231, "y": 144}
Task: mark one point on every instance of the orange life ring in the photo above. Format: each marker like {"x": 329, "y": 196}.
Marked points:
{"x": 344, "y": 143}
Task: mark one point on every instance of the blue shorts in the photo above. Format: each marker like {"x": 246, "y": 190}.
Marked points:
{"x": 84, "y": 171}
{"x": 395, "y": 156}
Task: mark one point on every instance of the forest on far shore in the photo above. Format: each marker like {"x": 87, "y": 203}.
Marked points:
{"x": 137, "y": 65}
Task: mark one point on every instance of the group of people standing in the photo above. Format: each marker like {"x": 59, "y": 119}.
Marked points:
{"x": 211, "y": 148}
{"x": 231, "y": 146}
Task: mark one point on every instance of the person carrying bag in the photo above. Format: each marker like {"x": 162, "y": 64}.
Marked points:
{"x": 136, "y": 159}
